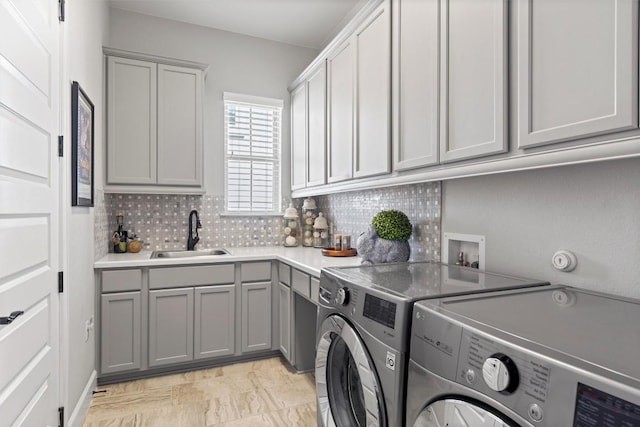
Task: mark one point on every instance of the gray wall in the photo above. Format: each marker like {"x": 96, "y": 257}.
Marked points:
{"x": 85, "y": 31}
{"x": 238, "y": 63}
{"x": 592, "y": 210}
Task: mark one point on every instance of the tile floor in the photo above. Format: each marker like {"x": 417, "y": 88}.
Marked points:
{"x": 260, "y": 393}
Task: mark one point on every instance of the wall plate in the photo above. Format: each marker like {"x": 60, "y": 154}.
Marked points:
{"x": 472, "y": 245}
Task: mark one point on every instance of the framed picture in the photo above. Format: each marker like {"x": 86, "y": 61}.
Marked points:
{"x": 82, "y": 147}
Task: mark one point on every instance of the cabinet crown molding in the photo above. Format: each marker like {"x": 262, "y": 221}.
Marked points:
{"x": 110, "y": 51}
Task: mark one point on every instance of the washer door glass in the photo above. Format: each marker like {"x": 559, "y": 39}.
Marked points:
{"x": 348, "y": 391}
{"x": 459, "y": 413}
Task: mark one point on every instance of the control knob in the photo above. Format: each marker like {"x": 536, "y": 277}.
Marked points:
{"x": 342, "y": 296}
{"x": 500, "y": 373}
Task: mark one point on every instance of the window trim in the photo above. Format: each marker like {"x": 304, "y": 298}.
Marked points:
{"x": 257, "y": 101}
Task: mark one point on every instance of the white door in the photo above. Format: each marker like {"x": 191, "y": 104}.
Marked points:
{"x": 29, "y": 194}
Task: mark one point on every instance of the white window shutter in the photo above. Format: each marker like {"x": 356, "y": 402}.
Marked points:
{"x": 252, "y": 153}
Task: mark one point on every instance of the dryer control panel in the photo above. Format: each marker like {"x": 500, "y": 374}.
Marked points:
{"x": 526, "y": 378}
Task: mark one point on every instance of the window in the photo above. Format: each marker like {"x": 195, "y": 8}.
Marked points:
{"x": 252, "y": 153}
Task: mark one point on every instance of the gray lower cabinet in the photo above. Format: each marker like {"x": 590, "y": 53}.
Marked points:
{"x": 170, "y": 326}
{"x": 284, "y": 304}
{"x": 120, "y": 332}
{"x": 256, "y": 316}
{"x": 214, "y": 323}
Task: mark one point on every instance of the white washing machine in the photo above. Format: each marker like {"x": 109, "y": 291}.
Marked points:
{"x": 364, "y": 316}
{"x": 550, "y": 357}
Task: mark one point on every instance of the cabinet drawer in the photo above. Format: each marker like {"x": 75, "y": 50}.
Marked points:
{"x": 315, "y": 289}
{"x": 121, "y": 280}
{"x": 284, "y": 273}
{"x": 255, "y": 271}
{"x": 175, "y": 277}
{"x": 300, "y": 282}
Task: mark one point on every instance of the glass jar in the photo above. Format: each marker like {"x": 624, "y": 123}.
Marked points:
{"x": 321, "y": 232}
{"x": 291, "y": 226}
{"x": 309, "y": 216}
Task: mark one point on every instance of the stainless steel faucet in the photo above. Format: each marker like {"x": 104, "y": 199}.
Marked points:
{"x": 193, "y": 232}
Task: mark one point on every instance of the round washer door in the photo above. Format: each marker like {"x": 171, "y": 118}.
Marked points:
{"x": 455, "y": 412}
{"x": 346, "y": 382}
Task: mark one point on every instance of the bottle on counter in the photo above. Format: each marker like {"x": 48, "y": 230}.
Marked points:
{"x": 119, "y": 238}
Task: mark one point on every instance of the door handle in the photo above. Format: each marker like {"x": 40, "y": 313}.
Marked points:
{"x": 11, "y": 317}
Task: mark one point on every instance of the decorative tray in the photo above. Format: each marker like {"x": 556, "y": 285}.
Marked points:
{"x": 333, "y": 252}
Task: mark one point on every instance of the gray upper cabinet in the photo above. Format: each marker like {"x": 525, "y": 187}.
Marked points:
{"x": 577, "y": 69}
{"x": 256, "y": 316}
{"x": 179, "y": 126}
{"x": 340, "y": 111}
{"x": 120, "y": 316}
{"x": 170, "y": 326}
{"x": 131, "y": 110}
{"x": 473, "y": 69}
{"x": 373, "y": 88}
{"x": 298, "y": 136}
{"x": 214, "y": 329}
{"x": 416, "y": 36}
{"x": 154, "y": 117}
{"x": 316, "y": 126}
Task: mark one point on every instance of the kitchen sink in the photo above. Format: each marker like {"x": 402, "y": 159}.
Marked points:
{"x": 188, "y": 254}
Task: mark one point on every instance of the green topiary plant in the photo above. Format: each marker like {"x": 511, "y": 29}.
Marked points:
{"x": 392, "y": 225}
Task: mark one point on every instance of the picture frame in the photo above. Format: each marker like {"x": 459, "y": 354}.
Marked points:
{"x": 82, "y": 143}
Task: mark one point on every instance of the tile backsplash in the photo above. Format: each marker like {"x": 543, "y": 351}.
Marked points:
{"x": 101, "y": 229}
{"x": 351, "y": 213}
{"x": 162, "y": 222}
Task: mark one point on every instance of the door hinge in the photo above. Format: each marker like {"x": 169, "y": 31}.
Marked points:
{"x": 61, "y": 10}
{"x": 60, "y": 146}
{"x": 60, "y": 282}
{"x": 61, "y": 416}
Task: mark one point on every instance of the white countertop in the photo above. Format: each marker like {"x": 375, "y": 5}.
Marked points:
{"x": 309, "y": 260}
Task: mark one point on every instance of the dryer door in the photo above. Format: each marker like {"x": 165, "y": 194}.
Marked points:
{"x": 346, "y": 382}
{"x": 460, "y": 413}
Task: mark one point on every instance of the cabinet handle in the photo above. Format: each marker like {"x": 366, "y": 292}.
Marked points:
{"x": 11, "y": 317}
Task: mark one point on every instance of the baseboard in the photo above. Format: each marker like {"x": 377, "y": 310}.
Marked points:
{"x": 82, "y": 407}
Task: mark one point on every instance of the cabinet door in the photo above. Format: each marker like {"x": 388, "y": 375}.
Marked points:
{"x": 577, "y": 69}
{"x": 214, "y": 329}
{"x": 416, "y": 83}
{"x": 298, "y": 136}
{"x": 179, "y": 126}
{"x": 284, "y": 296}
{"x": 373, "y": 101}
{"x": 256, "y": 316}
{"x": 473, "y": 79}
{"x": 131, "y": 135}
{"x": 120, "y": 332}
{"x": 316, "y": 121}
{"x": 340, "y": 80}
{"x": 170, "y": 326}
